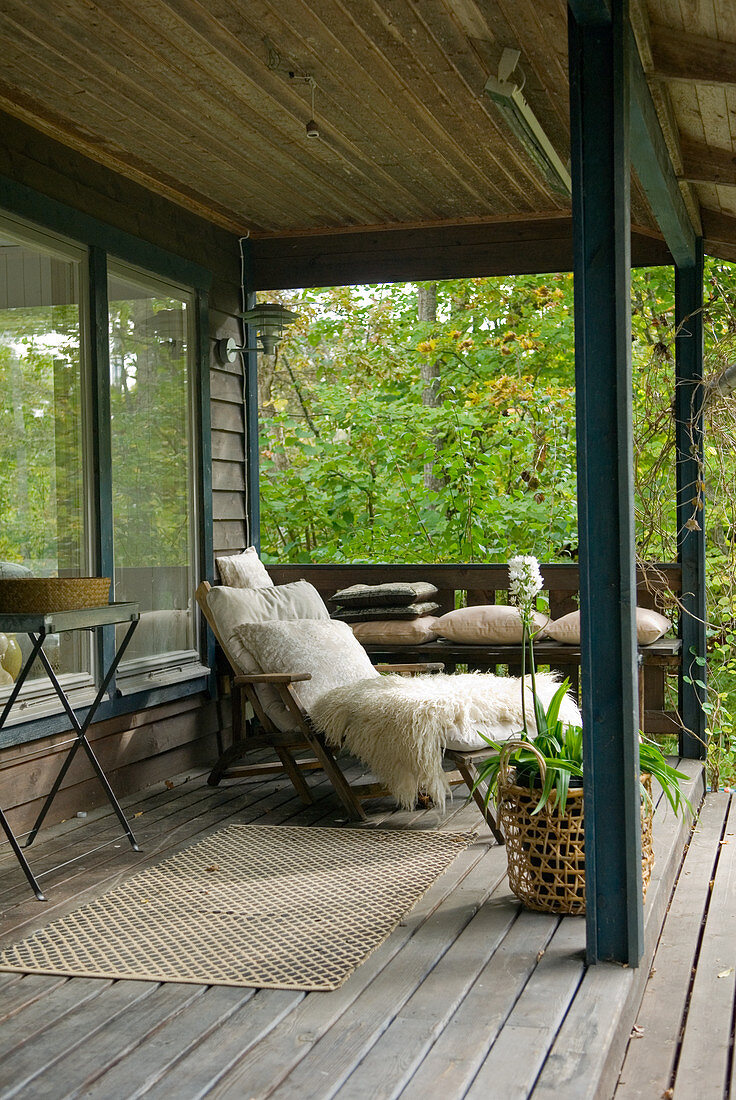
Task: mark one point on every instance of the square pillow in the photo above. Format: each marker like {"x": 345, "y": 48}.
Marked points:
{"x": 325, "y": 648}
{"x": 244, "y": 570}
{"x": 650, "y": 627}
{"x": 368, "y": 614}
{"x": 395, "y": 594}
{"x": 397, "y": 631}
{"x": 229, "y": 607}
{"x": 493, "y": 623}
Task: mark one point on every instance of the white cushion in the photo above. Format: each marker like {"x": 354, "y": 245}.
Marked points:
{"x": 397, "y": 631}
{"x": 326, "y": 649}
{"x": 229, "y": 607}
{"x": 494, "y": 623}
{"x": 650, "y": 626}
{"x": 244, "y": 570}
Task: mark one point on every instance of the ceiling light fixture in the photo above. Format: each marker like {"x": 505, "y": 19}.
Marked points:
{"x": 269, "y": 321}
{"x": 524, "y": 123}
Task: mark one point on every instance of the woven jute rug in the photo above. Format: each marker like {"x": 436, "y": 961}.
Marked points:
{"x": 275, "y": 907}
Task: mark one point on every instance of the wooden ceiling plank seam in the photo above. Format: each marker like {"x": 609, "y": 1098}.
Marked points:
{"x": 428, "y": 59}
{"x": 157, "y": 140}
{"x": 358, "y": 160}
{"x": 37, "y": 116}
{"x": 365, "y": 55}
{"x": 699, "y": 16}
{"x": 458, "y": 29}
{"x": 156, "y": 112}
{"x": 269, "y": 128}
{"x": 447, "y": 45}
{"x": 681, "y": 55}
{"x": 546, "y": 54}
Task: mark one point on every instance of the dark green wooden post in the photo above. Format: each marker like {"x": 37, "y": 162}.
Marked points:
{"x": 690, "y": 500}
{"x": 599, "y": 106}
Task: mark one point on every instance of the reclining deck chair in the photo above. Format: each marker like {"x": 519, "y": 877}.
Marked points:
{"x": 282, "y": 723}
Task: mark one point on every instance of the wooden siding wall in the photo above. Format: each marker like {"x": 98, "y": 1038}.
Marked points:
{"x": 137, "y": 749}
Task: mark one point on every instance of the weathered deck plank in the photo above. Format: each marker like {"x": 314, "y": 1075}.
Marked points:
{"x": 452, "y": 1063}
{"x": 328, "y": 1062}
{"x": 466, "y": 997}
{"x": 704, "y": 1057}
{"x": 650, "y": 1058}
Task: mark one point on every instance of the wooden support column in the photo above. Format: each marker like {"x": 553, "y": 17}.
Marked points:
{"x": 250, "y": 396}
{"x": 599, "y": 106}
{"x": 691, "y": 500}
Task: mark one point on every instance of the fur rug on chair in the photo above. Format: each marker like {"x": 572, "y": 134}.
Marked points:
{"x": 400, "y": 726}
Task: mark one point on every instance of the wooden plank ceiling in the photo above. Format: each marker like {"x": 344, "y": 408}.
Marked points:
{"x": 206, "y": 103}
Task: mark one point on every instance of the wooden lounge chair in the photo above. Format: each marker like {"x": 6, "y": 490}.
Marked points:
{"x": 250, "y": 735}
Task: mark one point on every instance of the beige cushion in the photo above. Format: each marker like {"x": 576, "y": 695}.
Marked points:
{"x": 244, "y": 570}
{"x": 650, "y": 626}
{"x": 326, "y": 649}
{"x": 229, "y": 607}
{"x": 397, "y": 631}
{"x": 492, "y": 623}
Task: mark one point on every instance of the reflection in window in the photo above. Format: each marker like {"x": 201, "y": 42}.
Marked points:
{"x": 153, "y": 522}
{"x": 43, "y": 514}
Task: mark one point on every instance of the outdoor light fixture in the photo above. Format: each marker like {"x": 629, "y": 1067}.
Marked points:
{"x": 524, "y": 123}
{"x": 269, "y": 320}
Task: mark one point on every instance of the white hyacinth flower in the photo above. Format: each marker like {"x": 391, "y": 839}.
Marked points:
{"x": 525, "y": 580}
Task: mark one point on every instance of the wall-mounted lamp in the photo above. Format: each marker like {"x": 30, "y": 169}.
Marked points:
{"x": 524, "y": 123}
{"x": 269, "y": 321}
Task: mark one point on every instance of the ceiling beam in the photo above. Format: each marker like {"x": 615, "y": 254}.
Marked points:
{"x": 703, "y": 163}
{"x": 719, "y": 233}
{"x": 508, "y": 247}
{"x": 651, "y": 159}
{"x": 680, "y": 55}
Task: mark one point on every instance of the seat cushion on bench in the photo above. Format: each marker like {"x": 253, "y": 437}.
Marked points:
{"x": 650, "y": 627}
{"x": 393, "y": 594}
{"x": 494, "y": 623}
{"x": 397, "y": 631}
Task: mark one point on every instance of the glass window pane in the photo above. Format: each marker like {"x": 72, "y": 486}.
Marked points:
{"x": 150, "y": 398}
{"x": 43, "y": 490}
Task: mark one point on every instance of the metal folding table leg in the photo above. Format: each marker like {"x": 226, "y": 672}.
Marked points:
{"x": 81, "y": 731}
{"x": 21, "y": 858}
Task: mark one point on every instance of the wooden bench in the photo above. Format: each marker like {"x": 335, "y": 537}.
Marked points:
{"x": 459, "y": 585}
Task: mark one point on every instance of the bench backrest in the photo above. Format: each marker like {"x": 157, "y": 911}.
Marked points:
{"x": 480, "y": 584}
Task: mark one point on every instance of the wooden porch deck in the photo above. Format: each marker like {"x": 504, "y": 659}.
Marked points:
{"x": 470, "y": 996}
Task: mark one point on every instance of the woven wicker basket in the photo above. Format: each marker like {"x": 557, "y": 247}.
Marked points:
{"x": 43, "y": 595}
{"x": 546, "y": 851}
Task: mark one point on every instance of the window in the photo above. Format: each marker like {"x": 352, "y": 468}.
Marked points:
{"x": 44, "y": 523}
{"x": 53, "y": 509}
{"x": 152, "y": 449}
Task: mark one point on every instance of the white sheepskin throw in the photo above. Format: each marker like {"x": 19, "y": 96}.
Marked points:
{"x": 400, "y": 726}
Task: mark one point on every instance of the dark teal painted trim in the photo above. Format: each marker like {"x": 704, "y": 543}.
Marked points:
{"x": 651, "y": 159}
{"x": 110, "y": 708}
{"x": 599, "y": 115}
{"x": 56, "y": 216}
{"x": 101, "y": 472}
{"x": 250, "y": 393}
{"x": 590, "y": 13}
{"x": 203, "y": 434}
{"x": 690, "y": 544}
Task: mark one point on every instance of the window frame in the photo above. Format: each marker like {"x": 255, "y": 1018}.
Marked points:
{"x": 102, "y": 241}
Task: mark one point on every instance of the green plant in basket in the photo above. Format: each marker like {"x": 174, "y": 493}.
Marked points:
{"x": 552, "y": 760}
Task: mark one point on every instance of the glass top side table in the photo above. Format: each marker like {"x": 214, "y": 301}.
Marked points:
{"x": 38, "y": 627}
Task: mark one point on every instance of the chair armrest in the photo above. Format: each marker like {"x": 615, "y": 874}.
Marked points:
{"x": 420, "y": 666}
{"x": 272, "y": 678}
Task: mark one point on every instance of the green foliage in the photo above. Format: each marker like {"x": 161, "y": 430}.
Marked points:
{"x": 347, "y": 436}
